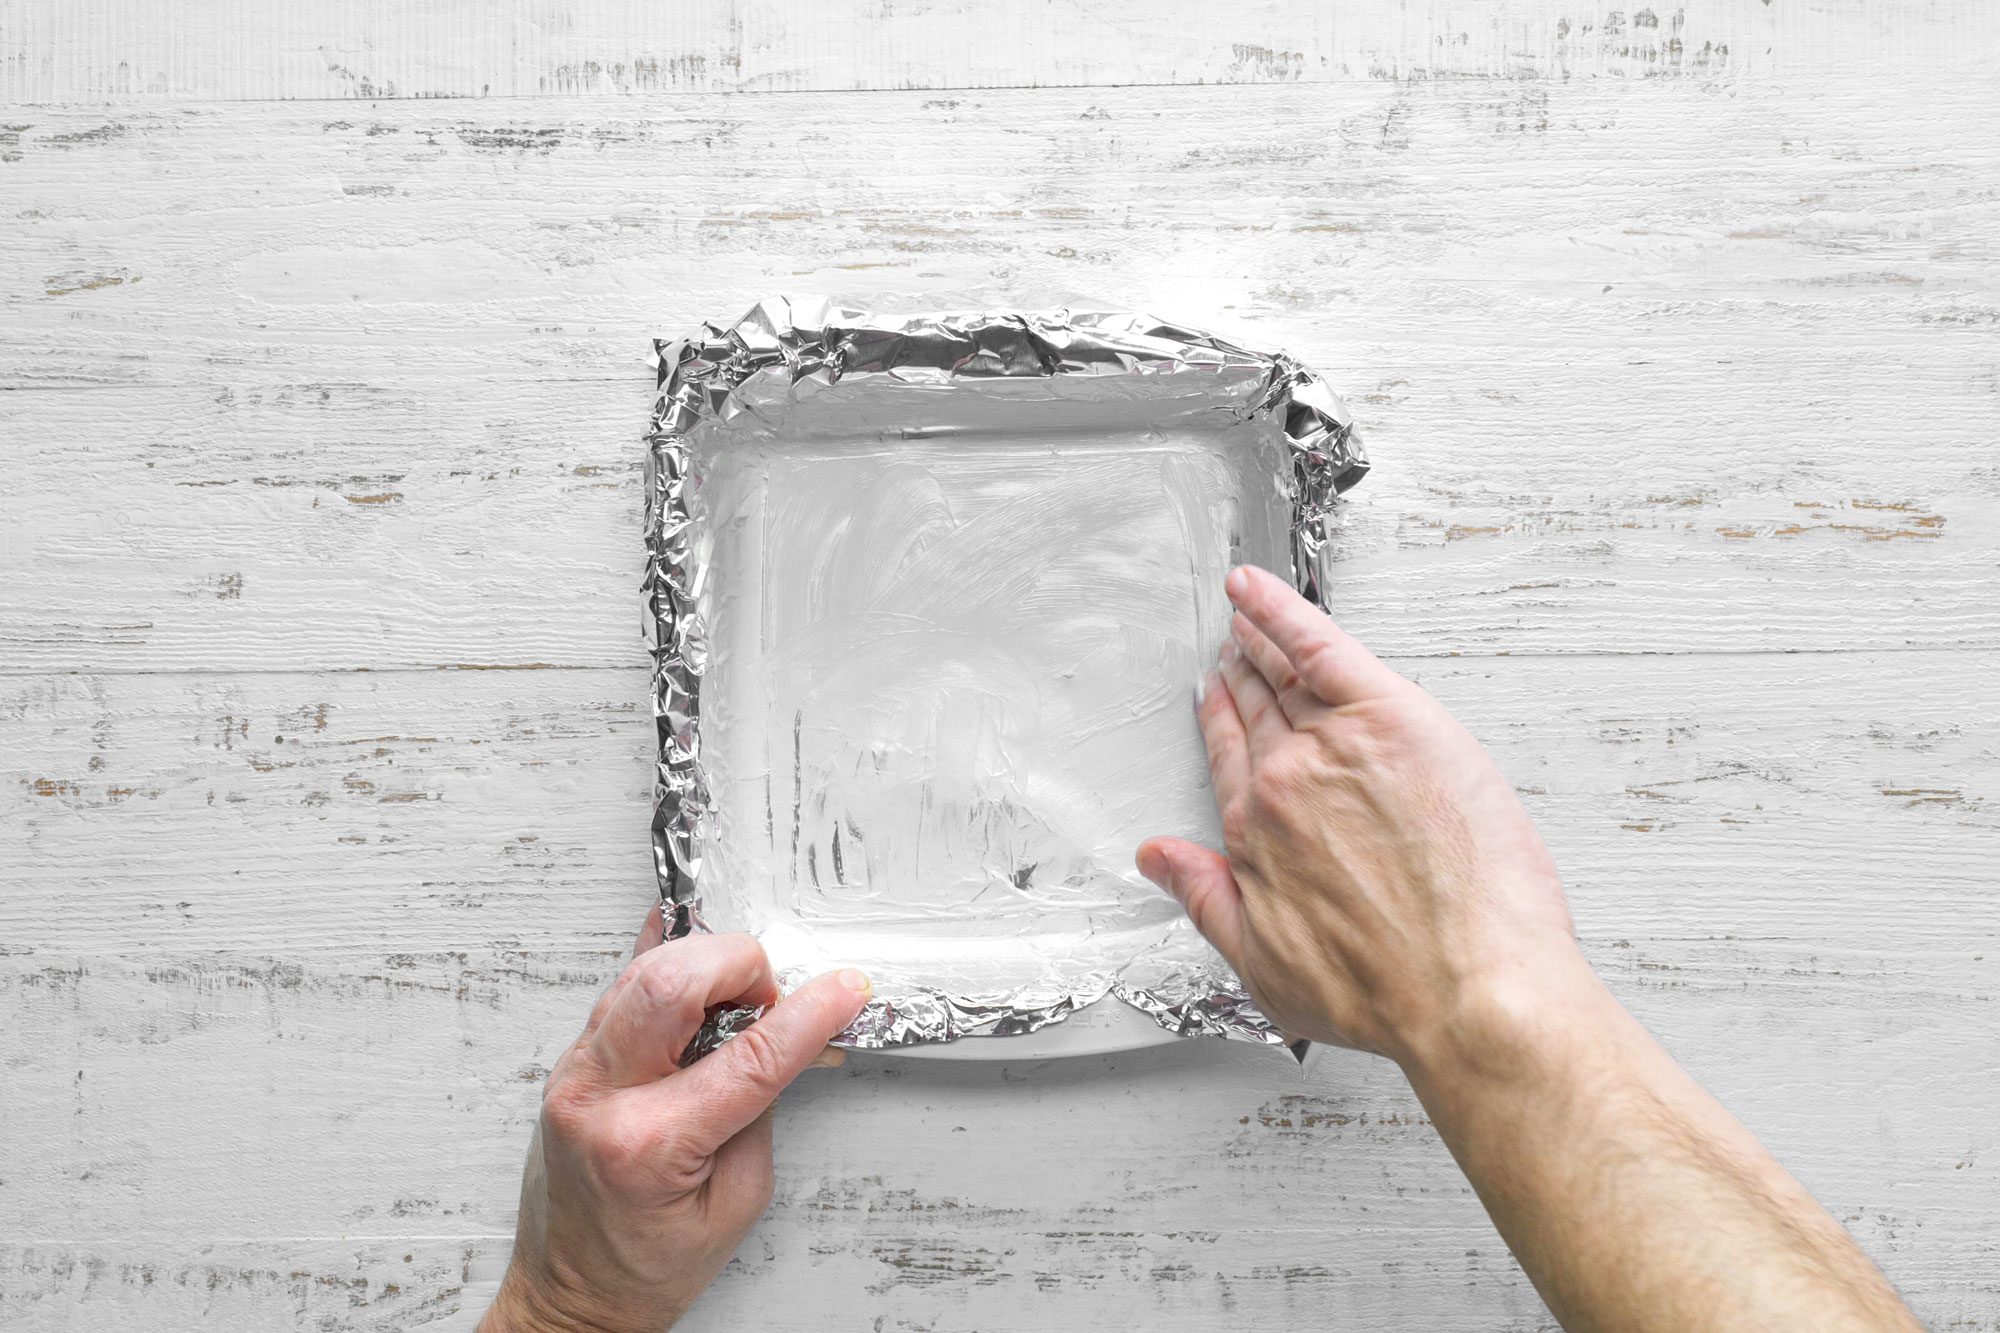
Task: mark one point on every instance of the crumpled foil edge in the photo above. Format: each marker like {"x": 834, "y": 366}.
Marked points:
{"x": 697, "y": 377}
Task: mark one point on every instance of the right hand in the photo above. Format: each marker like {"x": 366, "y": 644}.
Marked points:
{"x": 1384, "y": 889}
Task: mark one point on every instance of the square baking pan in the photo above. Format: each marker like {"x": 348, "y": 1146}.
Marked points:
{"x": 929, "y": 599}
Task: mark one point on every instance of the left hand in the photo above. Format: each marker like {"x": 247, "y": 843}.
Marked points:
{"x": 643, "y": 1177}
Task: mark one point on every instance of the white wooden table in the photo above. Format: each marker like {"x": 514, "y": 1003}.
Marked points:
{"x": 1676, "y": 336}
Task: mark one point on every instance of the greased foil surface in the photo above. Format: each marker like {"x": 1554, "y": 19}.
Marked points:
{"x": 725, "y": 378}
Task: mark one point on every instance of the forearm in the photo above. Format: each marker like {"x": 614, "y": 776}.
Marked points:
{"x": 1380, "y": 872}
{"x": 1630, "y": 1196}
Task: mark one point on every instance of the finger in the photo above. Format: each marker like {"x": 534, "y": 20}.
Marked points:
{"x": 651, "y": 932}
{"x": 740, "y": 1176}
{"x": 1201, "y": 882}
{"x": 1222, "y": 734}
{"x": 731, "y": 1088}
{"x": 1298, "y": 702}
{"x": 830, "y": 1058}
{"x": 1331, "y": 662}
{"x": 668, "y": 994}
{"x": 1264, "y": 722}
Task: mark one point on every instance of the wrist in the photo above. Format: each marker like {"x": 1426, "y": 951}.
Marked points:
{"x": 1513, "y": 1021}
{"x": 526, "y": 1303}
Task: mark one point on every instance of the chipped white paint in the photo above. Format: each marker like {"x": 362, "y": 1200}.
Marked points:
{"x": 57, "y": 50}
{"x": 1658, "y": 368}
{"x": 1701, "y": 367}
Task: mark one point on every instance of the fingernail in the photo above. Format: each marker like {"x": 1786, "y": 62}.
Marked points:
{"x": 857, "y": 980}
{"x": 1227, "y": 652}
{"x": 1236, "y": 584}
{"x": 830, "y": 1058}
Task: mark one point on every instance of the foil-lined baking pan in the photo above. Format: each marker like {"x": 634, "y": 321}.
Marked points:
{"x": 928, "y": 599}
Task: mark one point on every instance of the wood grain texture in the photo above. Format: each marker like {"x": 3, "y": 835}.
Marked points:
{"x": 1686, "y": 370}
{"x": 323, "y": 730}
{"x": 284, "y": 970}
{"x": 506, "y": 809}
{"x": 334, "y": 1283}
{"x": 72, "y": 50}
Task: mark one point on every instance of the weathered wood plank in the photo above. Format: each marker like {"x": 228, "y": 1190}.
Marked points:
{"x": 232, "y": 1283}
{"x": 315, "y": 1009}
{"x": 341, "y": 526}
{"x": 1699, "y": 361}
{"x": 68, "y": 50}
{"x": 402, "y": 241}
{"x": 1730, "y": 396}
{"x": 192, "y": 1122}
{"x": 159, "y": 1089}
{"x": 1722, "y": 796}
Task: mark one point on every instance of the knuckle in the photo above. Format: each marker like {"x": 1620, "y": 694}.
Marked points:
{"x": 626, "y": 975}
{"x": 739, "y": 942}
{"x": 634, "y": 1150}
{"x": 1282, "y": 779}
{"x": 661, "y": 986}
{"x": 620, "y": 1146}
{"x": 1237, "y": 820}
{"x": 568, "y": 1109}
{"x": 714, "y": 957}
{"x": 1314, "y": 653}
{"x": 1269, "y": 804}
{"x": 629, "y": 971}
{"x": 1358, "y": 745}
{"x": 1265, "y": 706}
{"x": 758, "y": 1059}
{"x": 1212, "y": 701}
{"x": 721, "y": 946}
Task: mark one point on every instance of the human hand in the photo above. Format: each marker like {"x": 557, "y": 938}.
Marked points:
{"x": 643, "y": 1177}
{"x": 1383, "y": 888}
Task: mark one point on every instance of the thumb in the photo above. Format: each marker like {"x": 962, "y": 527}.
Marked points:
{"x": 728, "y": 1090}
{"x": 1200, "y": 881}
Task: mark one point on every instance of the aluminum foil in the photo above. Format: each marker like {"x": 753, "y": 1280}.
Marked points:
{"x": 729, "y": 383}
